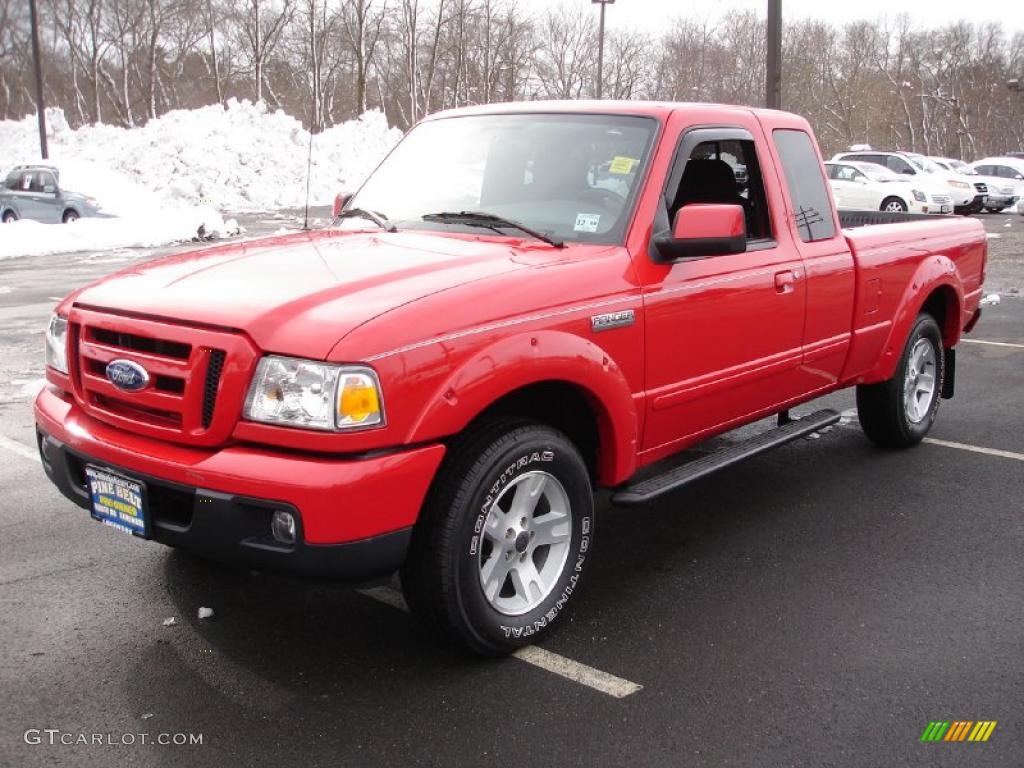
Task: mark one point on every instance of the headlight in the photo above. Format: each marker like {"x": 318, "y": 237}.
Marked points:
{"x": 314, "y": 395}
{"x": 919, "y": 196}
{"x": 57, "y": 343}
{"x": 959, "y": 184}
{"x": 92, "y": 201}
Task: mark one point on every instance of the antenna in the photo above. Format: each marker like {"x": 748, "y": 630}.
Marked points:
{"x": 309, "y": 166}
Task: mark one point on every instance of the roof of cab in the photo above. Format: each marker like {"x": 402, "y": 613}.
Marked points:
{"x": 658, "y": 109}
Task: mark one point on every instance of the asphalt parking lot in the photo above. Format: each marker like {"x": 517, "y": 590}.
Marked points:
{"x": 816, "y": 606}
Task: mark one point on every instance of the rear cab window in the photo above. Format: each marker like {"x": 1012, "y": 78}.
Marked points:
{"x": 812, "y": 205}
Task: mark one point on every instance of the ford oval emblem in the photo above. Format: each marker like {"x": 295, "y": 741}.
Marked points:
{"x": 127, "y": 375}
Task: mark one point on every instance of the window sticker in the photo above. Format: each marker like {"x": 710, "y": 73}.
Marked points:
{"x": 622, "y": 164}
{"x": 587, "y": 222}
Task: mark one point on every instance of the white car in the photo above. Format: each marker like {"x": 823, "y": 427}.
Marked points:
{"x": 1010, "y": 173}
{"x": 996, "y": 193}
{"x": 872, "y": 187}
{"x": 938, "y": 191}
{"x": 965, "y": 196}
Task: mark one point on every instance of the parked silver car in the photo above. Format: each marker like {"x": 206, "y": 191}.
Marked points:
{"x": 33, "y": 192}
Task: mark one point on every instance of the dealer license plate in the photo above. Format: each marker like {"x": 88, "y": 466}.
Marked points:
{"x": 117, "y": 501}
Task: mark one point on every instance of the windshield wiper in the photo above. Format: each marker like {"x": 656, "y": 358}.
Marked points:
{"x": 379, "y": 219}
{"x": 490, "y": 221}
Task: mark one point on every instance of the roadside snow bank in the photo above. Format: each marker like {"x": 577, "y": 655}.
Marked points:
{"x": 237, "y": 157}
{"x": 176, "y": 173}
{"x": 140, "y": 217}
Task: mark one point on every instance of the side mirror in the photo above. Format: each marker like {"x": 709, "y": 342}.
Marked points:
{"x": 704, "y": 230}
{"x": 339, "y": 202}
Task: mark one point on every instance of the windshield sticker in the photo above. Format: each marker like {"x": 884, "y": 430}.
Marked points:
{"x": 622, "y": 164}
{"x": 587, "y": 222}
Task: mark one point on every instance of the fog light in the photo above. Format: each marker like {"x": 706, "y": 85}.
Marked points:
{"x": 282, "y": 526}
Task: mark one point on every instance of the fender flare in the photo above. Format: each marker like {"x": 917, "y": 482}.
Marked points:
{"x": 935, "y": 273}
{"x": 536, "y": 357}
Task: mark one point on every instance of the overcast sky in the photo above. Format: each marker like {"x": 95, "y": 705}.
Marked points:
{"x": 651, "y": 14}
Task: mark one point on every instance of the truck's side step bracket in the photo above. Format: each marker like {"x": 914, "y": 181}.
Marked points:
{"x": 651, "y": 488}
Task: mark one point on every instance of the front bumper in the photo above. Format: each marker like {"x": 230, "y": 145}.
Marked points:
{"x": 1000, "y": 201}
{"x": 355, "y": 514}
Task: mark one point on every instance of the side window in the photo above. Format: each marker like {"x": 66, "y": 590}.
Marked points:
{"x": 37, "y": 182}
{"x": 726, "y": 171}
{"x": 984, "y": 170}
{"x": 807, "y": 189}
{"x": 48, "y": 182}
{"x": 26, "y": 182}
{"x": 845, "y": 173}
{"x": 12, "y": 180}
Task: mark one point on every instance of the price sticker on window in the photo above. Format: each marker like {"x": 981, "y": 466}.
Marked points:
{"x": 622, "y": 164}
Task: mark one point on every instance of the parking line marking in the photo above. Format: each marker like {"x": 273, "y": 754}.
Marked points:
{"x": 976, "y": 449}
{"x": 603, "y": 682}
{"x": 579, "y": 673}
{"x": 386, "y": 595}
{"x": 19, "y": 448}
{"x": 993, "y": 343}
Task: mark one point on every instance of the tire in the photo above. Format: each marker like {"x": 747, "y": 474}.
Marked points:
{"x": 469, "y": 535}
{"x": 893, "y": 205}
{"x": 995, "y": 210}
{"x": 10, "y": 216}
{"x": 888, "y": 414}
{"x": 70, "y": 216}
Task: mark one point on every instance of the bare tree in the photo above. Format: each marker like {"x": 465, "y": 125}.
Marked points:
{"x": 262, "y": 23}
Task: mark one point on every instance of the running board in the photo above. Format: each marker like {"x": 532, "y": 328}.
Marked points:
{"x": 650, "y": 489}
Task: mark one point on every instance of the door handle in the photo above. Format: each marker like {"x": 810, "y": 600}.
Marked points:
{"x": 785, "y": 281}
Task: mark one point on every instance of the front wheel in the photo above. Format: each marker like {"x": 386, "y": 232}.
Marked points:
{"x": 70, "y": 217}
{"x": 899, "y": 412}
{"x": 998, "y": 209}
{"x": 9, "y": 217}
{"x": 894, "y": 205}
{"x": 503, "y": 538}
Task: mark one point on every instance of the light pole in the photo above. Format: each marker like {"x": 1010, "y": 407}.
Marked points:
{"x": 600, "y": 45}
{"x": 773, "y": 70}
{"x": 41, "y": 107}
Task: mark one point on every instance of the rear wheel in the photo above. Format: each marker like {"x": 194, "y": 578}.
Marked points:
{"x": 10, "y": 216}
{"x": 899, "y": 412}
{"x": 70, "y": 216}
{"x": 502, "y": 539}
{"x": 894, "y": 205}
{"x": 994, "y": 210}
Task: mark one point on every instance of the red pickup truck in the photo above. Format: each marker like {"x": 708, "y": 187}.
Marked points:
{"x": 523, "y": 302}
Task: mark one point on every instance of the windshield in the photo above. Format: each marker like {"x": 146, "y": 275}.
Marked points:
{"x": 878, "y": 173}
{"x": 573, "y": 177}
{"x": 926, "y": 165}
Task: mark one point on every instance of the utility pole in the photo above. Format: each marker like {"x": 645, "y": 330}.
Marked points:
{"x": 773, "y": 79}
{"x": 600, "y": 45}
{"x": 40, "y": 105}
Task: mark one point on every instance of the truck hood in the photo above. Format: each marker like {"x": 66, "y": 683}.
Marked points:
{"x": 301, "y": 293}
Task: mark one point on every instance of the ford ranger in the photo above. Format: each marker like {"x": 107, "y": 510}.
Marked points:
{"x": 522, "y": 303}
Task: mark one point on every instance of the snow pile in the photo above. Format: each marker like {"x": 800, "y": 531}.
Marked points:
{"x": 237, "y": 157}
{"x": 178, "y": 172}
{"x": 134, "y": 217}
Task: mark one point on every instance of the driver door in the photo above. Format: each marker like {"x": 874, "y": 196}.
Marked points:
{"x": 723, "y": 333}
